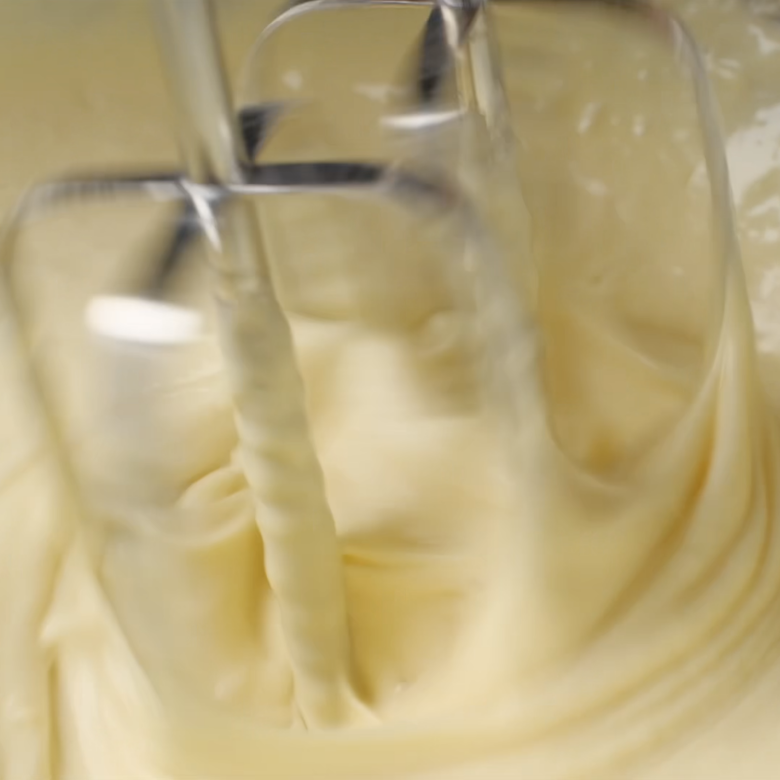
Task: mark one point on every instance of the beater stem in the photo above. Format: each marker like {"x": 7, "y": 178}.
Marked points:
{"x": 302, "y": 556}
{"x": 479, "y": 79}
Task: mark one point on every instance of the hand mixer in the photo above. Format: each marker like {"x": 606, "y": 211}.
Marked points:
{"x": 452, "y": 85}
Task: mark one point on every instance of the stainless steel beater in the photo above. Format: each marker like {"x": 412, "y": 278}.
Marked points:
{"x": 454, "y": 75}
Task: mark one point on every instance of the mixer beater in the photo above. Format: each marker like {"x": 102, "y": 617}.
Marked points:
{"x": 453, "y": 85}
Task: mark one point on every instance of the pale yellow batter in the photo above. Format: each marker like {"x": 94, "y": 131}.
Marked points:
{"x": 603, "y": 603}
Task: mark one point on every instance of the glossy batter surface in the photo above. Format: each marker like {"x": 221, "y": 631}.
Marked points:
{"x": 603, "y": 604}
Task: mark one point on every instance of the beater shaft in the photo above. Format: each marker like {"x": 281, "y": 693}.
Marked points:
{"x": 303, "y": 562}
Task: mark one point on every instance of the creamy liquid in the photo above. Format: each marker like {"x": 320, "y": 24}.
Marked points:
{"x": 602, "y": 602}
